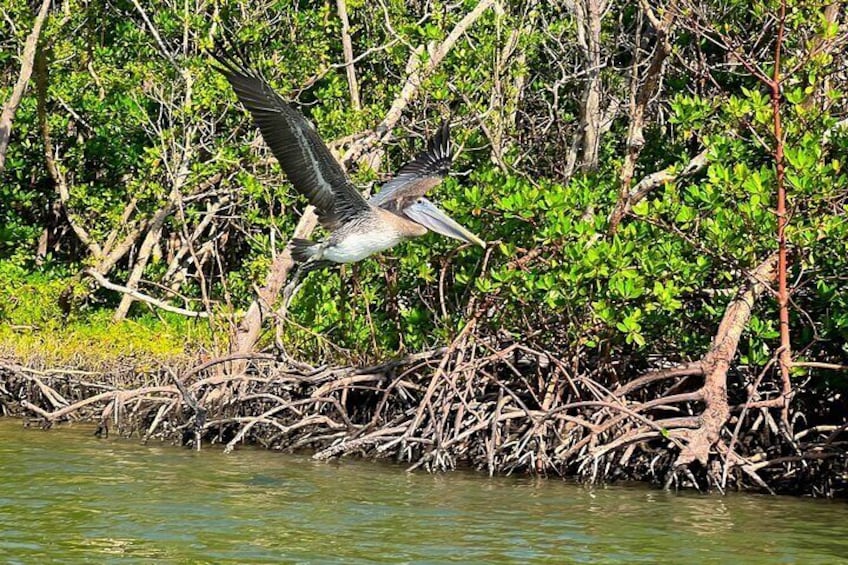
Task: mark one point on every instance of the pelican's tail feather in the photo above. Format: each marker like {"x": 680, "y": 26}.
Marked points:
{"x": 304, "y": 249}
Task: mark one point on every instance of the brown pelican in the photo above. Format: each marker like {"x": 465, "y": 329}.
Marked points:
{"x": 358, "y": 227}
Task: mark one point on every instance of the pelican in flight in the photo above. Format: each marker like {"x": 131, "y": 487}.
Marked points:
{"x": 357, "y": 227}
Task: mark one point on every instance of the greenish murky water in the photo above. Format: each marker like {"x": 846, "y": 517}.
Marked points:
{"x": 68, "y": 497}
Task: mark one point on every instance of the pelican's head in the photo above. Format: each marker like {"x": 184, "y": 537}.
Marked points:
{"x": 424, "y": 212}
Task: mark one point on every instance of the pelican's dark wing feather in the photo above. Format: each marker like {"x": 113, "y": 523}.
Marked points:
{"x": 304, "y": 158}
{"x": 419, "y": 175}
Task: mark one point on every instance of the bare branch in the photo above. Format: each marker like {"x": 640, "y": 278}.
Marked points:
{"x": 820, "y": 365}
{"x": 135, "y": 294}
{"x": 14, "y": 100}
{"x": 347, "y": 47}
{"x": 659, "y": 178}
{"x": 159, "y": 43}
{"x": 639, "y": 104}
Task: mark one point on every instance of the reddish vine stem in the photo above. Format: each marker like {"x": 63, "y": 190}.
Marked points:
{"x": 785, "y": 355}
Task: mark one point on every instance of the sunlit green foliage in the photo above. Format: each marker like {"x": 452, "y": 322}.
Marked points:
{"x": 119, "y": 112}
{"x": 47, "y": 323}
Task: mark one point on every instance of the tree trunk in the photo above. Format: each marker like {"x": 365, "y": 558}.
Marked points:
{"x": 347, "y": 47}
{"x": 588, "y": 14}
{"x": 638, "y": 105}
{"x": 154, "y": 233}
{"x": 785, "y": 356}
{"x": 11, "y": 106}
{"x": 251, "y": 325}
{"x": 144, "y": 252}
{"x": 716, "y": 363}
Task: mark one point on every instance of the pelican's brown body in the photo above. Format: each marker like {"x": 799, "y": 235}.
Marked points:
{"x": 358, "y": 227}
{"x": 359, "y": 238}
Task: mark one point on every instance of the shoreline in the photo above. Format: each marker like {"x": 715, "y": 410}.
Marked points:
{"x": 366, "y": 412}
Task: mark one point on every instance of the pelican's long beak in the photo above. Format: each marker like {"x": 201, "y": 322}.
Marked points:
{"x": 434, "y": 219}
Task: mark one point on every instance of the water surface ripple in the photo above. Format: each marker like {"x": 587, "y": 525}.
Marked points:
{"x": 67, "y": 497}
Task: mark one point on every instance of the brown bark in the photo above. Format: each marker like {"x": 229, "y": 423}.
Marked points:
{"x": 785, "y": 356}
{"x": 639, "y": 104}
{"x": 250, "y": 327}
{"x": 774, "y": 85}
{"x": 27, "y": 61}
{"x": 716, "y": 363}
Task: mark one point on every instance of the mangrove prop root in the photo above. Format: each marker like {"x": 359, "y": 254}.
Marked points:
{"x": 481, "y": 402}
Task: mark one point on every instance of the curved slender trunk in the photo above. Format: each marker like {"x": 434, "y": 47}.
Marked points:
{"x": 27, "y": 60}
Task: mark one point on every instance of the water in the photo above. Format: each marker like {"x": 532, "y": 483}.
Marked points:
{"x": 68, "y": 497}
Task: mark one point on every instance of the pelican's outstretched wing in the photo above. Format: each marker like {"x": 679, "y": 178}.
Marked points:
{"x": 304, "y": 158}
{"x": 419, "y": 175}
